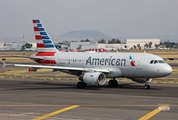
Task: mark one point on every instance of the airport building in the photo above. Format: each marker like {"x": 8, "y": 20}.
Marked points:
{"x": 142, "y": 43}
{"x": 95, "y": 45}
{"x": 129, "y": 44}
{"x": 113, "y": 46}
{"x": 15, "y": 46}
{"x": 84, "y": 45}
{"x": 11, "y": 46}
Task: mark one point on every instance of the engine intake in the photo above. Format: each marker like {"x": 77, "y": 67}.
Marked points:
{"x": 93, "y": 78}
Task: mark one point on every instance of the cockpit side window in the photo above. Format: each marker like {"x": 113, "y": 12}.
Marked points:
{"x": 155, "y": 62}
{"x": 151, "y": 62}
{"x": 161, "y": 61}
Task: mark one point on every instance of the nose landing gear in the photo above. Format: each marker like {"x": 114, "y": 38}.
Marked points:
{"x": 147, "y": 86}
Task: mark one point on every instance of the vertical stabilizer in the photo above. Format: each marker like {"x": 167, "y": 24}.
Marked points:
{"x": 45, "y": 46}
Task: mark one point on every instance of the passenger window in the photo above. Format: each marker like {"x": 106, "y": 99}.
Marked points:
{"x": 151, "y": 62}
{"x": 155, "y": 61}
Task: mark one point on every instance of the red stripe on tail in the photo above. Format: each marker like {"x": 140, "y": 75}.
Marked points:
{"x": 45, "y": 53}
{"x": 40, "y": 45}
{"x": 36, "y": 29}
{"x": 38, "y": 37}
{"x": 34, "y": 21}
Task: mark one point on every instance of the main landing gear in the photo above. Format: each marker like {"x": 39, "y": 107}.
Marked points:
{"x": 81, "y": 85}
{"x": 147, "y": 86}
{"x": 113, "y": 83}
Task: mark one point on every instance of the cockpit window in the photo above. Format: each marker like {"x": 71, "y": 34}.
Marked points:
{"x": 151, "y": 62}
{"x": 155, "y": 61}
{"x": 161, "y": 61}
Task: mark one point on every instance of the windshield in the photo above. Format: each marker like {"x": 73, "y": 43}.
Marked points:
{"x": 157, "y": 61}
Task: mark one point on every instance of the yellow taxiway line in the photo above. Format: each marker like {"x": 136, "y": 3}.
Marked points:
{"x": 154, "y": 112}
{"x": 84, "y": 105}
{"x": 56, "y": 112}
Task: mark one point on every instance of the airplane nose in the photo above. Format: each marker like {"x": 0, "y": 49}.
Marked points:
{"x": 167, "y": 70}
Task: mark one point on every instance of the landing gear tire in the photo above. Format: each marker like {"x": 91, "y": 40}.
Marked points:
{"x": 147, "y": 86}
{"x": 81, "y": 85}
{"x": 113, "y": 83}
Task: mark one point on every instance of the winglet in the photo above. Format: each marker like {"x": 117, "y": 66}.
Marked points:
{"x": 4, "y": 64}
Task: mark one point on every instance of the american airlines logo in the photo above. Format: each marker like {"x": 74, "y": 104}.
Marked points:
{"x": 106, "y": 61}
{"x": 132, "y": 63}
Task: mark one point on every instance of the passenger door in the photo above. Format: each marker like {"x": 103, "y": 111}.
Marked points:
{"x": 140, "y": 62}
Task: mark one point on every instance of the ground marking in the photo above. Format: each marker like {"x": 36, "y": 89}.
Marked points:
{"x": 56, "y": 112}
{"x": 85, "y": 105}
{"x": 154, "y": 112}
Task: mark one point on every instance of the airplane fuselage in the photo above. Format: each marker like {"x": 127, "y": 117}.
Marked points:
{"x": 132, "y": 65}
{"x": 94, "y": 68}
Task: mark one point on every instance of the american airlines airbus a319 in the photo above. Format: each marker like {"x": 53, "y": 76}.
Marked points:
{"x": 94, "y": 68}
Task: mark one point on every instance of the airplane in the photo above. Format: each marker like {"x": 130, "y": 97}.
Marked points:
{"x": 94, "y": 68}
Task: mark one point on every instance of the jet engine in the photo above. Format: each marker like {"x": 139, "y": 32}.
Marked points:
{"x": 93, "y": 78}
{"x": 142, "y": 80}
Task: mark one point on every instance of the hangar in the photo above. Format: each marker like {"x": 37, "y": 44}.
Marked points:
{"x": 10, "y": 46}
{"x": 83, "y": 45}
{"x": 95, "y": 45}
{"x": 113, "y": 46}
{"x": 129, "y": 44}
{"x": 142, "y": 43}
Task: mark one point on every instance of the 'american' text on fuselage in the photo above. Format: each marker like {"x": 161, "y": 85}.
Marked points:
{"x": 106, "y": 61}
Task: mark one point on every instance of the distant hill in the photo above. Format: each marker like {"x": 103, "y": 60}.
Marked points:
{"x": 84, "y": 34}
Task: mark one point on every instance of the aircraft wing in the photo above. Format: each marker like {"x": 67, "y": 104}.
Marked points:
{"x": 21, "y": 56}
{"x": 63, "y": 68}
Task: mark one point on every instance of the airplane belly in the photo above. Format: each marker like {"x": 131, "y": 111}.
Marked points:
{"x": 114, "y": 73}
{"x": 133, "y": 72}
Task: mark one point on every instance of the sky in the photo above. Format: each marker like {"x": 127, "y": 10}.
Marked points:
{"x": 116, "y": 18}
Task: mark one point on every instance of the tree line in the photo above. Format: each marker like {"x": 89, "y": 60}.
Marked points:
{"x": 103, "y": 41}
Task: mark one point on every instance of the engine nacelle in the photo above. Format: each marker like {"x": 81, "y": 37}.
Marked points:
{"x": 93, "y": 78}
{"x": 142, "y": 80}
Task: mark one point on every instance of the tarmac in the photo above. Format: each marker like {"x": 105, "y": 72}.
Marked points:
{"x": 24, "y": 99}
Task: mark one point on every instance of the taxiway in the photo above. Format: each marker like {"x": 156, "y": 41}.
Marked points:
{"x": 34, "y": 99}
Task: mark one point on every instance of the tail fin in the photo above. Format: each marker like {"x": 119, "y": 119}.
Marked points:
{"x": 44, "y": 43}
